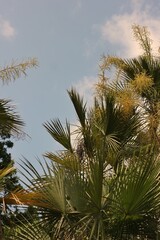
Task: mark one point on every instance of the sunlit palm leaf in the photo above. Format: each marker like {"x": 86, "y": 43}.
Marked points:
{"x": 15, "y": 70}
{"x": 27, "y": 231}
{"x": 67, "y": 160}
{"x": 142, "y": 36}
{"x": 49, "y": 188}
{"x": 5, "y": 171}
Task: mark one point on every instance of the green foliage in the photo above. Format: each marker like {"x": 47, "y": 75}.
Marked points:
{"x": 60, "y": 134}
{"x": 11, "y": 181}
{"x": 10, "y": 125}
{"x": 106, "y": 184}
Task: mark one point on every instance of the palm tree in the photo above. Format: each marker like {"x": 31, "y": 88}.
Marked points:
{"x": 137, "y": 82}
{"x": 102, "y": 127}
{"x": 106, "y": 184}
{"x": 89, "y": 204}
{"x": 82, "y": 195}
{"x": 10, "y": 121}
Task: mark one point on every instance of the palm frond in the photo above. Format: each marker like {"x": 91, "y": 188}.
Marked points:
{"x": 6, "y": 171}
{"x": 46, "y": 190}
{"x": 79, "y": 106}
{"x": 10, "y": 121}
{"x": 67, "y": 160}
{"x": 27, "y": 231}
{"x": 141, "y": 34}
{"x": 15, "y": 70}
{"x": 59, "y": 133}
{"x": 135, "y": 193}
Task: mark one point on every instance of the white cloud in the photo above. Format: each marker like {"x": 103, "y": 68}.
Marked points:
{"x": 6, "y": 29}
{"x": 118, "y": 30}
{"x": 85, "y": 88}
{"x": 77, "y": 6}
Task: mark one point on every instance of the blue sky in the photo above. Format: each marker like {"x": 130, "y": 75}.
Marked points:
{"x": 68, "y": 37}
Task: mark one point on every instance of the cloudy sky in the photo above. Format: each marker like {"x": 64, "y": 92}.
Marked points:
{"x": 68, "y": 37}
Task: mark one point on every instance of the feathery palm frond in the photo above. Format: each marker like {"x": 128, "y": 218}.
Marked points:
{"x": 14, "y": 71}
{"x": 10, "y": 121}
{"x": 141, "y": 34}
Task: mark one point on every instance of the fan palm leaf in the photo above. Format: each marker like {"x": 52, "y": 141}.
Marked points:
{"x": 135, "y": 196}
{"x": 90, "y": 203}
{"x": 27, "y": 231}
{"x": 10, "y": 121}
{"x": 65, "y": 159}
{"x": 60, "y": 134}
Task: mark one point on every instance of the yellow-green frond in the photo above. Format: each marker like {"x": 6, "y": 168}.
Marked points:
{"x": 15, "y": 70}
{"x": 142, "y": 82}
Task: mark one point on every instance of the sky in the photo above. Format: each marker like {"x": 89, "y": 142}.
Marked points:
{"x": 68, "y": 38}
